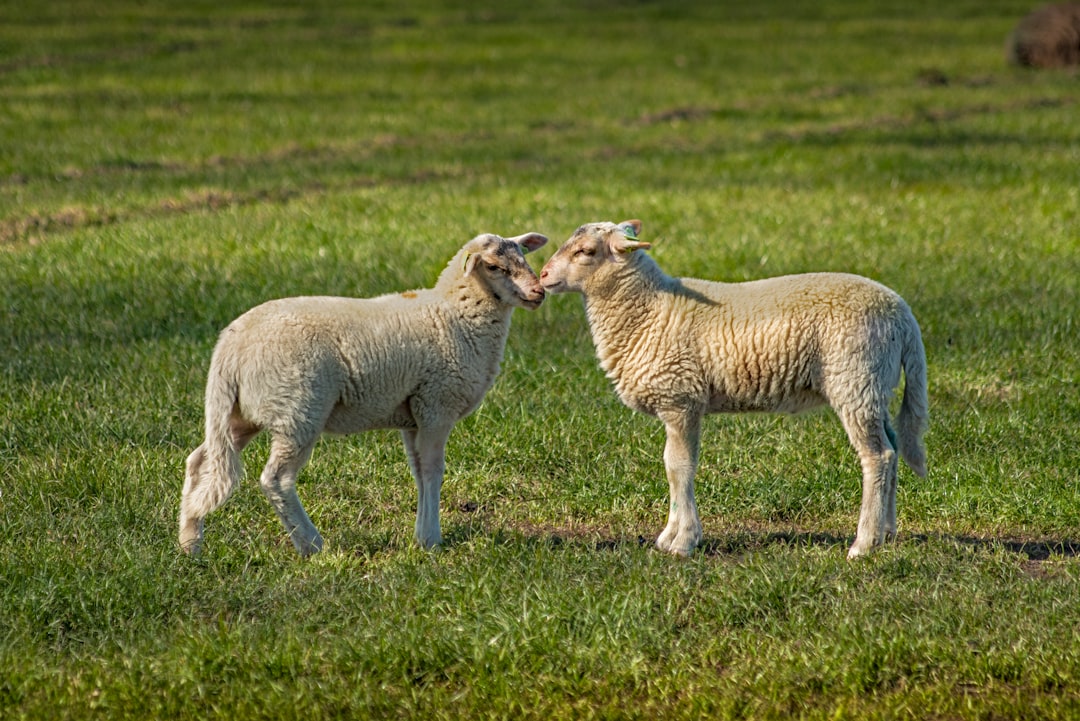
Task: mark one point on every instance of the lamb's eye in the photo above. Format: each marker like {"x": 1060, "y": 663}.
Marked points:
{"x": 586, "y": 252}
{"x": 492, "y": 267}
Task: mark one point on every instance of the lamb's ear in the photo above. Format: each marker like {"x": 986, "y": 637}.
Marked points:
{"x": 469, "y": 262}
{"x": 530, "y": 241}
{"x": 631, "y": 228}
{"x": 625, "y": 239}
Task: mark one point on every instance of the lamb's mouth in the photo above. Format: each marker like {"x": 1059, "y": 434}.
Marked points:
{"x": 532, "y": 303}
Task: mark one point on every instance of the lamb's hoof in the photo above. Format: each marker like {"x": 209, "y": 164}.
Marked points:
{"x": 863, "y": 547}
{"x": 859, "y": 551}
{"x": 679, "y": 546}
{"x": 308, "y": 547}
{"x": 430, "y": 544}
{"x": 191, "y": 533}
{"x": 663, "y": 542}
{"x": 190, "y": 548}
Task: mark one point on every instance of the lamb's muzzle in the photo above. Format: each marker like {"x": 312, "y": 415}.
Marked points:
{"x": 531, "y": 298}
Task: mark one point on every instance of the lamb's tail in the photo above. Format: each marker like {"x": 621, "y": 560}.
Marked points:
{"x": 213, "y": 469}
{"x": 914, "y": 416}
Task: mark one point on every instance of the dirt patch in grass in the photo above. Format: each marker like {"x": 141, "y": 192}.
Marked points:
{"x": 33, "y": 228}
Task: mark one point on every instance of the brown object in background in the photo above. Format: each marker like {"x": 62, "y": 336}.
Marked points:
{"x": 1048, "y": 37}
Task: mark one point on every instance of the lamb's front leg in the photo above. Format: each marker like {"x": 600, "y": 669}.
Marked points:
{"x": 426, "y": 449}
{"x": 683, "y": 530}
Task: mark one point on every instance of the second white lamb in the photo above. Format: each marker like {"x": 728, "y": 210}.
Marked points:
{"x": 417, "y": 361}
{"x": 679, "y": 348}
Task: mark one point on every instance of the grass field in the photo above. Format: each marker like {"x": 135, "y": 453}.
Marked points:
{"x": 164, "y": 166}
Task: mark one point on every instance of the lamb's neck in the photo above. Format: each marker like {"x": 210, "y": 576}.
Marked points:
{"x": 476, "y": 308}
{"x": 621, "y": 309}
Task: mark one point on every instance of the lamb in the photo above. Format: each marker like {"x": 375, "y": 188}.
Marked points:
{"x": 679, "y": 348}
{"x": 417, "y": 361}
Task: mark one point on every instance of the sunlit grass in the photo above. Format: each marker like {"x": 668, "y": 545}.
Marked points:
{"x": 164, "y": 167}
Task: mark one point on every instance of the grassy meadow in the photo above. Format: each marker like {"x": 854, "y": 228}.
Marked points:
{"x": 165, "y": 166}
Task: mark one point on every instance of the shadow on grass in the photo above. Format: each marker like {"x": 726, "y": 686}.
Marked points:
{"x": 1034, "y": 549}
{"x": 739, "y": 542}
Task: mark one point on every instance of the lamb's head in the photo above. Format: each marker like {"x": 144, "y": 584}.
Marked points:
{"x": 499, "y": 265}
{"x": 590, "y": 250}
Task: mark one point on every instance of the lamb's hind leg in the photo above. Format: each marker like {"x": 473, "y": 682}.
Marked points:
{"x": 877, "y": 516}
{"x": 278, "y": 483}
{"x": 890, "y": 499}
{"x": 197, "y": 499}
{"x": 191, "y": 520}
{"x": 683, "y": 530}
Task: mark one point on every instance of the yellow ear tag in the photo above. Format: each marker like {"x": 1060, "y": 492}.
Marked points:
{"x": 465, "y": 263}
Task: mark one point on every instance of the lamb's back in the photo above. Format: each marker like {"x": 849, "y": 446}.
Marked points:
{"x": 357, "y": 360}
{"x": 761, "y": 316}
{"x": 784, "y": 340}
{"x": 305, "y": 332}
{"x": 760, "y": 345}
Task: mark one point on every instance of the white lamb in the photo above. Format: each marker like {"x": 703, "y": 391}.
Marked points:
{"x": 678, "y": 348}
{"x": 419, "y": 361}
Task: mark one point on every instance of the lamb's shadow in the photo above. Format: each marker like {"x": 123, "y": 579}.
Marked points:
{"x": 472, "y": 523}
{"x": 738, "y": 543}
{"x": 1034, "y": 549}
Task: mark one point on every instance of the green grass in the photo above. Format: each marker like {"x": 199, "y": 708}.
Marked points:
{"x": 165, "y": 166}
